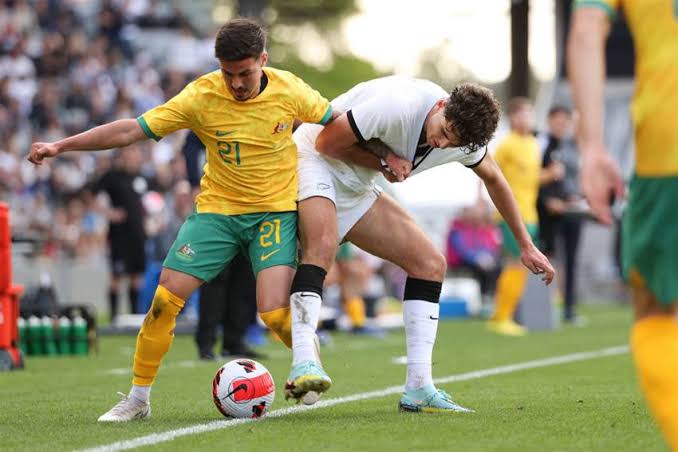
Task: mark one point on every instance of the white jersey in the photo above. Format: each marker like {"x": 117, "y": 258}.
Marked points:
{"x": 392, "y": 109}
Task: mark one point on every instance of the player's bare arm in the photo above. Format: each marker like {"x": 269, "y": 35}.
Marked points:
{"x": 373, "y": 147}
{"x": 503, "y": 199}
{"x": 337, "y": 140}
{"x": 600, "y": 175}
{"x": 115, "y": 134}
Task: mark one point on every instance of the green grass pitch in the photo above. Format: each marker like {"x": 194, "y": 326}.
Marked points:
{"x": 581, "y": 406}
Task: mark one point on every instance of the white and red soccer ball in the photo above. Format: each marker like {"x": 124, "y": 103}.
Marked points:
{"x": 243, "y": 388}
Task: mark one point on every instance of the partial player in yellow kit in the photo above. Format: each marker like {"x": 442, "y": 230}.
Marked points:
{"x": 650, "y": 237}
{"x": 243, "y": 113}
{"x": 518, "y": 157}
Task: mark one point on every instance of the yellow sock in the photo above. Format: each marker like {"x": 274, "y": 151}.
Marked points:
{"x": 280, "y": 322}
{"x": 510, "y": 287}
{"x": 156, "y": 335}
{"x": 355, "y": 309}
{"x": 654, "y": 344}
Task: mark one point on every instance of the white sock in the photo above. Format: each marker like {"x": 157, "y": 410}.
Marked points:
{"x": 421, "y": 326}
{"x": 141, "y": 393}
{"x": 305, "y": 308}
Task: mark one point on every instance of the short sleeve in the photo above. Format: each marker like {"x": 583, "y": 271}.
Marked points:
{"x": 372, "y": 118}
{"x": 609, "y": 6}
{"x": 312, "y": 107}
{"x": 175, "y": 114}
{"x": 473, "y": 159}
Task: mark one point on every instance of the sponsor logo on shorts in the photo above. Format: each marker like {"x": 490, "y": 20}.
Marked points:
{"x": 186, "y": 252}
{"x": 267, "y": 255}
{"x": 223, "y": 133}
{"x": 323, "y": 186}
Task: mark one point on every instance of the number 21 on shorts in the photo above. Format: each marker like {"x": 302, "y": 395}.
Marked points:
{"x": 269, "y": 233}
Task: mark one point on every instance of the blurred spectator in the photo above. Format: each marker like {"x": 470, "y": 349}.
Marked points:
{"x": 519, "y": 159}
{"x": 352, "y": 275}
{"x": 66, "y": 66}
{"x": 19, "y": 69}
{"x": 125, "y": 187}
{"x": 194, "y": 155}
{"x": 474, "y": 244}
{"x": 228, "y": 300}
{"x": 560, "y": 204}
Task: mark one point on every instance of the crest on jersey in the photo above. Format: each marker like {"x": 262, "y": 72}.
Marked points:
{"x": 281, "y": 127}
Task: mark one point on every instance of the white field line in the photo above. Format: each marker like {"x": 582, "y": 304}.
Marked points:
{"x": 155, "y": 438}
{"x": 128, "y": 370}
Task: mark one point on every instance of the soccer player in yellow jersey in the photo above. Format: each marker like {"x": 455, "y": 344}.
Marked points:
{"x": 650, "y": 234}
{"x": 519, "y": 159}
{"x": 243, "y": 113}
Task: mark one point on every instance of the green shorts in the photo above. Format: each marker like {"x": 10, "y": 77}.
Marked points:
{"x": 509, "y": 243}
{"x": 650, "y": 235}
{"x": 207, "y": 242}
{"x": 345, "y": 252}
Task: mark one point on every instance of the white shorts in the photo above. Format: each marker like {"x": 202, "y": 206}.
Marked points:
{"x": 317, "y": 179}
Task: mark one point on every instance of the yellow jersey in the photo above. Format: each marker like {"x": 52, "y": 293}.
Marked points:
{"x": 519, "y": 159}
{"x": 251, "y": 157}
{"x": 654, "y": 27}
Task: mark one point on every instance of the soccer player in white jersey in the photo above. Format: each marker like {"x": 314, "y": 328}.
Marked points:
{"x": 424, "y": 127}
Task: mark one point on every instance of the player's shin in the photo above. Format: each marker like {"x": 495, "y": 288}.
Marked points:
{"x": 654, "y": 344}
{"x": 280, "y": 322}
{"x": 420, "y": 312}
{"x": 154, "y": 340}
{"x": 305, "y": 301}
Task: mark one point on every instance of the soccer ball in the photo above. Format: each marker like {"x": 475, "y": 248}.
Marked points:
{"x": 243, "y": 388}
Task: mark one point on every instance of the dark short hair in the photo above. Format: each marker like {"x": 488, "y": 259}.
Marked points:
{"x": 473, "y": 111}
{"x": 554, "y": 110}
{"x": 517, "y": 103}
{"x": 239, "y": 39}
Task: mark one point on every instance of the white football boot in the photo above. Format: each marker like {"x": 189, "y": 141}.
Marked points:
{"x": 128, "y": 409}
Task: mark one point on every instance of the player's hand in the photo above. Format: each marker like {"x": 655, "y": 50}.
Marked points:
{"x": 600, "y": 180}
{"x": 40, "y": 151}
{"x": 537, "y": 263}
{"x": 400, "y": 167}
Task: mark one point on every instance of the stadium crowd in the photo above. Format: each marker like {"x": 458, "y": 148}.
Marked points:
{"x": 69, "y": 65}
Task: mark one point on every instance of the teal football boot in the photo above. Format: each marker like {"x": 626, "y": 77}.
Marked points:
{"x": 429, "y": 400}
{"x": 305, "y": 377}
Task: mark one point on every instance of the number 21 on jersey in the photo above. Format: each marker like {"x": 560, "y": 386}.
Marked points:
{"x": 225, "y": 149}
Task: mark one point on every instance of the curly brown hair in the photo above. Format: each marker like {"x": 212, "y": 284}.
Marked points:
{"x": 473, "y": 112}
{"x": 238, "y": 39}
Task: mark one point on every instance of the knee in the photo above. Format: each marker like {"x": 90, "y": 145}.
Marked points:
{"x": 165, "y": 280}
{"x": 320, "y": 251}
{"x": 430, "y": 267}
{"x": 175, "y": 285}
